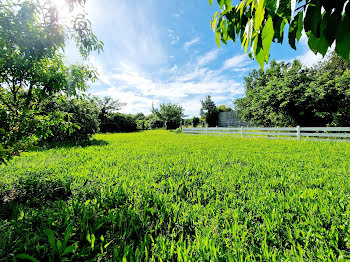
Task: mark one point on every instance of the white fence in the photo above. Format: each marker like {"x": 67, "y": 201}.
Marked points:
{"x": 276, "y": 132}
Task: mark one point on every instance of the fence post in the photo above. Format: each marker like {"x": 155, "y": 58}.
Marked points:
{"x": 298, "y": 133}
{"x": 206, "y": 130}
{"x": 241, "y": 131}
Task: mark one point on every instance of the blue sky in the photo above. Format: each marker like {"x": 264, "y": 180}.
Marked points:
{"x": 158, "y": 51}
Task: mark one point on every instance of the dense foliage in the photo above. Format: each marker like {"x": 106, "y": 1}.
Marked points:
{"x": 209, "y": 112}
{"x": 33, "y": 69}
{"x": 170, "y": 114}
{"x": 119, "y": 123}
{"x": 80, "y": 114}
{"x": 259, "y": 23}
{"x": 290, "y": 94}
{"x": 159, "y": 196}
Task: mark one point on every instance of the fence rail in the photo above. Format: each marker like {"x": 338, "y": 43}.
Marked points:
{"x": 276, "y": 132}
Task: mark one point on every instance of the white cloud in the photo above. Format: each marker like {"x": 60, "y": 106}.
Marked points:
{"x": 236, "y": 62}
{"x": 208, "y": 57}
{"x": 139, "y": 90}
{"x": 174, "y": 38}
{"x": 134, "y": 103}
{"x": 309, "y": 58}
{"x": 192, "y": 42}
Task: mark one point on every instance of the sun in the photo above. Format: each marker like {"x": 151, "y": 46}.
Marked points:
{"x": 64, "y": 8}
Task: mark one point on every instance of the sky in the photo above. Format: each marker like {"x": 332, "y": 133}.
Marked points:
{"x": 158, "y": 51}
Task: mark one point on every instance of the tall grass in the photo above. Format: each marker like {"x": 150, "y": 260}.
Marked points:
{"x": 161, "y": 196}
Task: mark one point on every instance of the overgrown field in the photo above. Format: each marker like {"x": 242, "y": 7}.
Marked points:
{"x": 162, "y": 196}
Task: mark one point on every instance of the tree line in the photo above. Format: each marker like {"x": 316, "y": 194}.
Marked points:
{"x": 290, "y": 94}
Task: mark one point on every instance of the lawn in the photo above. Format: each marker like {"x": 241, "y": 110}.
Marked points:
{"x": 162, "y": 196}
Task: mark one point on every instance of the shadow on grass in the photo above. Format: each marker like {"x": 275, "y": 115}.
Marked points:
{"x": 33, "y": 192}
{"x": 68, "y": 144}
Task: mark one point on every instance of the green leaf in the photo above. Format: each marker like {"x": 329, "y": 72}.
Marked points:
{"x": 67, "y": 234}
{"x": 223, "y": 27}
{"x": 317, "y": 45}
{"x": 227, "y": 4}
{"x": 260, "y": 57}
{"x": 271, "y": 6}
{"x": 28, "y": 257}
{"x": 249, "y": 30}
{"x": 231, "y": 31}
{"x": 329, "y": 23}
{"x": 343, "y": 38}
{"x": 284, "y": 8}
{"x": 213, "y": 24}
{"x": 211, "y": 2}
{"x": 59, "y": 246}
{"x": 278, "y": 25}
{"x": 88, "y": 238}
{"x": 69, "y": 249}
{"x": 51, "y": 237}
{"x": 259, "y": 15}
{"x": 312, "y": 18}
{"x": 93, "y": 241}
{"x": 292, "y": 33}
{"x": 255, "y": 47}
{"x": 299, "y": 26}
{"x": 221, "y": 3}
{"x": 267, "y": 36}
{"x": 217, "y": 38}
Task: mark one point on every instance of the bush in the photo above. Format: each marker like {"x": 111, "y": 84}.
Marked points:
{"x": 119, "y": 123}
{"x": 195, "y": 121}
{"x": 142, "y": 124}
{"x": 82, "y": 114}
{"x": 172, "y": 125}
{"x": 154, "y": 124}
{"x": 58, "y": 119}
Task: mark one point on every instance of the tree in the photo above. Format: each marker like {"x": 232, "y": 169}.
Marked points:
{"x": 224, "y": 108}
{"x": 31, "y": 58}
{"x": 170, "y": 114}
{"x": 290, "y": 94}
{"x": 33, "y": 67}
{"x": 107, "y": 105}
{"x": 139, "y": 116}
{"x": 209, "y": 112}
{"x": 195, "y": 121}
{"x": 259, "y": 23}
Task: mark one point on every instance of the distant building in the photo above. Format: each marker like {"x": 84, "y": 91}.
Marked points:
{"x": 230, "y": 118}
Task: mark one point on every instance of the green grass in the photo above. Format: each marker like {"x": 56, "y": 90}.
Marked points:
{"x": 163, "y": 196}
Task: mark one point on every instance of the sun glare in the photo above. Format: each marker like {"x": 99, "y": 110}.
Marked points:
{"x": 63, "y": 9}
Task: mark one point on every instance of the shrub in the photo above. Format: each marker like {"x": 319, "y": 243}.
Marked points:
{"x": 154, "y": 124}
{"x": 82, "y": 114}
{"x": 119, "y": 123}
{"x": 142, "y": 124}
{"x": 195, "y": 121}
{"x": 172, "y": 125}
